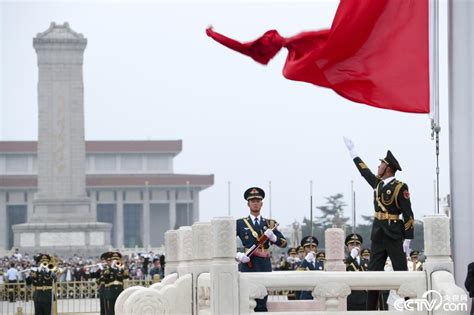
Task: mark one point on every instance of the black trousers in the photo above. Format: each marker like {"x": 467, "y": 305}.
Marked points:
{"x": 103, "y": 306}
{"x": 380, "y": 250}
{"x": 42, "y": 307}
{"x": 111, "y": 306}
{"x": 12, "y": 289}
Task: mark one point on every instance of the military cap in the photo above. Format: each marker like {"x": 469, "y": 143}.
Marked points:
{"x": 365, "y": 252}
{"x": 115, "y": 255}
{"x": 414, "y": 253}
{"x": 320, "y": 255}
{"x": 300, "y": 249}
{"x": 292, "y": 251}
{"x": 104, "y": 256}
{"x": 391, "y": 161}
{"x": 308, "y": 240}
{"x": 42, "y": 257}
{"x": 156, "y": 258}
{"x": 353, "y": 238}
{"x": 254, "y": 193}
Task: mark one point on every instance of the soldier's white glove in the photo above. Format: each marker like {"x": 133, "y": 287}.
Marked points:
{"x": 242, "y": 258}
{"x": 101, "y": 266}
{"x": 297, "y": 259}
{"x": 351, "y": 147}
{"x": 271, "y": 236}
{"x": 310, "y": 257}
{"x": 290, "y": 259}
{"x": 406, "y": 247}
{"x": 355, "y": 252}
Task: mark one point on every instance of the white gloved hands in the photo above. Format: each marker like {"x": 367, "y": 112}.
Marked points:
{"x": 241, "y": 257}
{"x": 310, "y": 257}
{"x": 351, "y": 147}
{"x": 355, "y": 252}
{"x": 271, "y": 236}
{"x": 101, "y": 266}
{"x": 406, "y": 247}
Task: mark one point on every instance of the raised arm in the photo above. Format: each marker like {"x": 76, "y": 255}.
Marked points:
{"x": 361, "y": 166}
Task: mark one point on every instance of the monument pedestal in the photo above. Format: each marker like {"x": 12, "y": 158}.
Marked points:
{"x": 87, "y": 239}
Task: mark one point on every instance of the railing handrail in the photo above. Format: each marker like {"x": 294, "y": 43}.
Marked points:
{"x": 301, "y": 280}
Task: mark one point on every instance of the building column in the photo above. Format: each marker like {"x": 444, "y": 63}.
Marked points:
{"x": 461, "y": 132}
{"x": 195, "y": 205}
{"x": 94, "y": 196}
{"x": 172, "y": 210}
{"x": 30, "y": 206}
{"x": 119, "y": 220}
{"x": 3, "y": 222}
{"x": 146, "y": 218}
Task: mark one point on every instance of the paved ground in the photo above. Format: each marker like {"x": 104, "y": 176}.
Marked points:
{"x": 69, "y": 307}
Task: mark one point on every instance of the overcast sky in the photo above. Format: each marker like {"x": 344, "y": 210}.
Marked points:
{"x": 150, "y": 72}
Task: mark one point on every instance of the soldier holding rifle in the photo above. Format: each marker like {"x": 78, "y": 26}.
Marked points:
{"x": 257, "y": 234}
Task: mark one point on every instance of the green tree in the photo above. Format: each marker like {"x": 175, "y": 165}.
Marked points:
{"x": 333, "y": 212}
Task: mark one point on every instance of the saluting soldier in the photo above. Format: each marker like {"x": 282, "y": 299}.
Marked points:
{"x": 310, "y": 245}
{"x": 114, "y": 274}
{"x": 357, "y": 300}
{"x": 321, "y": 256}
{"x": 391, "y": 235}
{"x": 365, "y": 253}
{"x": 414, "y": 264}
{"x": 292, "y": 261}
{"x": 42, "y": 278}
{"x": 252, "y": 228}
{"x": 100, "y": 280}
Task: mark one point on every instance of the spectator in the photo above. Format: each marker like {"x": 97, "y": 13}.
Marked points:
{"x": 12, "y": 278}
{"x": 469, "y": 284}
{"x": 156, "y": 270}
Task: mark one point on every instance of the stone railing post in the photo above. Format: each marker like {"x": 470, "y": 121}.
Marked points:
{"x": 224, "y": 273}
{"x": 334, "y": 238}
{"x": 437, "y": 236}
{"x": 202, "y": 254}
{"x": 185, "y": 250}
{"x": 334, "y": 250}
{"x": 171, "y": 251}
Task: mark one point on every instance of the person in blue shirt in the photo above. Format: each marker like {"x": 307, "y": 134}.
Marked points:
{"x": 250, "y": 230}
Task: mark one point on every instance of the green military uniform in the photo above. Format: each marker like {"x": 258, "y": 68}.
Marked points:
{"x": 114, "y": 276}
{"x": 391, "y": 200}
{"x": 414, "y": 264}
{"x": 100, "y": 280}
{"x": 43, "y": 280}
{"x": 357, "y": 300}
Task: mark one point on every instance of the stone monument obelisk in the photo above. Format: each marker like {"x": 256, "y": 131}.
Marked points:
{"x": 62, "y": 220}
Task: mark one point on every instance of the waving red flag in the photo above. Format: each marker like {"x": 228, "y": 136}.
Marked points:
{"x": 375, "y": 53}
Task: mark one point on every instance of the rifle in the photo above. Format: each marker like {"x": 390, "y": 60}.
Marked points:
{"x": 255, "y": 246}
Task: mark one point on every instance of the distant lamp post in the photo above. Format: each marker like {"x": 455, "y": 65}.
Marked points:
{"x": 228, "y": 198}
{"x": 188, "y": 219}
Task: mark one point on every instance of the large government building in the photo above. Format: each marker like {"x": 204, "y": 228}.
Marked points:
{"x": 130, "y": 184}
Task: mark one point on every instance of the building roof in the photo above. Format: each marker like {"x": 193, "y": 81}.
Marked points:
{"x": 119, "y": 180}
{"x": 118, "y": 146}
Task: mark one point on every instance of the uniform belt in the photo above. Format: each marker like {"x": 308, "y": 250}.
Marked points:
{"x": 43, "y": 288}
{"x": 113, "y": 283}
{"x": 386, "y": 216}
{"x": 260, "y": 252}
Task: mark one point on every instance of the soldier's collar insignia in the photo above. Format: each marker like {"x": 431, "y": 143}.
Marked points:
{"x": 389, "y": 192}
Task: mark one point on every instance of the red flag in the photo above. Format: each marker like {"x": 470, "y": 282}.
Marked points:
{"x": 375, "y": 53}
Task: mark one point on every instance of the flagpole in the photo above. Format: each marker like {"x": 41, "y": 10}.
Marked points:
{"x": 228, "y": 198}
{"x": 434, "y": 84}
{"x": 353, "y": 207}
{"x": 311, "y": 206}
{"x": 270, "y": 199}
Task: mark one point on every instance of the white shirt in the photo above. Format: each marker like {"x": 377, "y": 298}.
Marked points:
{"x": 259, "y": 219}
{"x": 12, "y": 274}
{"x": 388, "y": 180}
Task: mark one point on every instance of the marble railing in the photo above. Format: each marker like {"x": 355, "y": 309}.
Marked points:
{"x": 202, "y": 277}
